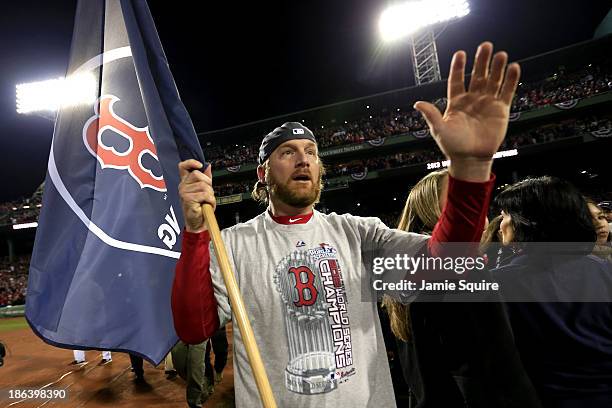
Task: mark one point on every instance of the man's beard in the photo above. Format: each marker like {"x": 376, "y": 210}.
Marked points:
{"x": 299, "y": 198}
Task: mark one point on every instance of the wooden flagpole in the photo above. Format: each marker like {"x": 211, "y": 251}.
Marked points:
{"x": 240, "y": 315}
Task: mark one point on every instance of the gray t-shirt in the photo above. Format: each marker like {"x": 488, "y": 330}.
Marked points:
{"x": 322, "y": 346}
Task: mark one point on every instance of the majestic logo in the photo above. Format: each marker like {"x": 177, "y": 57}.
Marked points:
{"x": 139, "y": 139}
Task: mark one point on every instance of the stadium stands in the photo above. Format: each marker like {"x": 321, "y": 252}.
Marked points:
{"x": 542, "y": 134}
{"x": 13, "y": 280}
{"x": 563, "y": 87}
{"x": 557, "y": 88}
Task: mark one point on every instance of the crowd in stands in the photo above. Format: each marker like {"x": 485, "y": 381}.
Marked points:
{"x": 543, "y": 134}
{"x": 233, "y": 188}
{"x": 594, "y": 123}
{"x": 5, "y": 211}
{"x": 560, "y": 87}
{"x": 221, "y": 157}
{"x": 371, "y": 128}
{"x": 13, "y": 280}
{"x": 563, "y": 87}
{"x": 396, "y": 160}
{"x": 20, "y": 211}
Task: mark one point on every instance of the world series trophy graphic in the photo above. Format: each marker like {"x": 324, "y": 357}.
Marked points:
{"x": 311, "y": 367}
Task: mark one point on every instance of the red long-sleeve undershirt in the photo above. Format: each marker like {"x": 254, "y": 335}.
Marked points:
{"x": 194, "y": 307}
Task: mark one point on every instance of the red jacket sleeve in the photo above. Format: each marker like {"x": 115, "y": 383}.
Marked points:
{"x": 194, "y": 308}
{"x": 463, "y": 217}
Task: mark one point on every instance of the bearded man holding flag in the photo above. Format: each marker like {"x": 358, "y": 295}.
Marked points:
{"x": 300, "y": 272}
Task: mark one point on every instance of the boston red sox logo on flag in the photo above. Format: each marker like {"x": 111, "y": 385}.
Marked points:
{"x": 140, "y": 143}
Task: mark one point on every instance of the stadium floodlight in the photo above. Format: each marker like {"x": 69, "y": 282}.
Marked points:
{"x": 57, "y": 93}
{"x": 405, "y": 19}
{"x": 418, "y": 19}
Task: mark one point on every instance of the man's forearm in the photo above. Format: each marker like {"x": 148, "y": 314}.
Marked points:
{"x": 194, "y": 308}
{"x": 471, "y": 169}
{"x": 463, "y": 217}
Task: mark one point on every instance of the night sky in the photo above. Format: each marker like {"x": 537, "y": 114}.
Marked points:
{"x": 235, "y": 62}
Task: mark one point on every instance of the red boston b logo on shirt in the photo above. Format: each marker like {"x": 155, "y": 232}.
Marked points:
{"x": 306, "y": 291}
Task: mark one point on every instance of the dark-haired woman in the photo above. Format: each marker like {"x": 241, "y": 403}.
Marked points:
{"x": 603, "y": 247}
{"x": 454, "y": 355}
{"x": 558, "y": 295}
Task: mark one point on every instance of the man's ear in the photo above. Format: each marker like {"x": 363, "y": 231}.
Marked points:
{"x": 261, "y": 174}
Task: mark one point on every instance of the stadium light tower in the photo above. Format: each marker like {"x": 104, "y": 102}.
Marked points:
{"x": 45, "y": 97}
{"x": 419, "y": 19}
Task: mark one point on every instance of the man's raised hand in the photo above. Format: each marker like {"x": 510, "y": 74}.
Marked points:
{"x": 195, "y": 189}
{"x": 475, "y": 121}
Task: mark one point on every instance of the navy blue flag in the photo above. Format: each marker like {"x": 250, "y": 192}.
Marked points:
{"x": 109, "y": 231}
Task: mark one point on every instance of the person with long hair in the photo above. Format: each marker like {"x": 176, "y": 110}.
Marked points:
{"x": 490, "y": 245}
{"x": 603, "y": 247}
{"x": 421, "y": 212}
{"x": 491, "y": 234}
{"x": 558, "y": 295}
{"x": 454, "y": 354}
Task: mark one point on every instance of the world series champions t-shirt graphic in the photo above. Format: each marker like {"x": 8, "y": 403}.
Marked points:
{"x": 302, "y": 284}
{"x": 317, "y": 324}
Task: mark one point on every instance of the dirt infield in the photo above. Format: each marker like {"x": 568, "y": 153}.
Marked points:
{"x": 31, "y": 363}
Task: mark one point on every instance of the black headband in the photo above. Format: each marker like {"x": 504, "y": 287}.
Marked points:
{"x": 288, "y": 131}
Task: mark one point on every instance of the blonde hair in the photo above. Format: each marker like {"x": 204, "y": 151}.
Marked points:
{"x": 490, "y": 234}
{"x": 260, "y": 190}
{"x": 422, "y": 208}
{"x": 421, "y": 213}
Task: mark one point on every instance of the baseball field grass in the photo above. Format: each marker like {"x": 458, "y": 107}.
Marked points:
{"x": 13, "y": 323}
